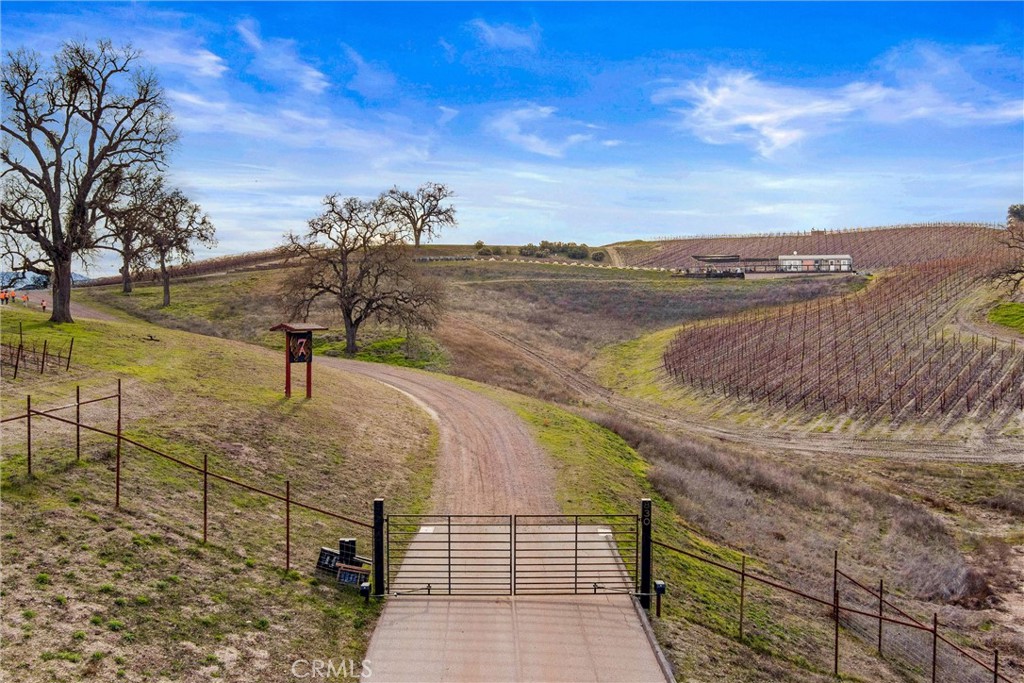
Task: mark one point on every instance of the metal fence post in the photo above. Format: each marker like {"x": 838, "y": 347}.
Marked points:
{"x": 881, "y": 612}
{"x": 449, "y": 554}
{"x": 995, "y": 669}
{"x": 78, "y": 422}
{"x": 835, "y": 615}
{"x": 835, "y": 608}
{"x": 378, "y": 547}
{"x": 17, "y": 359}
{"x": 935, "y": 645}
{"x": 287, "y": 525}
{"x": 117, "y": 470}
{"x": 645, "y": 553}
{"x": 206, "y": 485}
{"x": 28, "y": 423}
{"x": 743, "y": 590}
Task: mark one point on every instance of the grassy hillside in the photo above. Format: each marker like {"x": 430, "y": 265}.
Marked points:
{"x": 564, "y": 313}
{"x": 925, "y": 527}
{"x": 93, "y": 592}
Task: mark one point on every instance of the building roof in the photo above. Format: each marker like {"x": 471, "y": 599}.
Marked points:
{"x": 816, "y": 256}
{"x": 297, "y": 327}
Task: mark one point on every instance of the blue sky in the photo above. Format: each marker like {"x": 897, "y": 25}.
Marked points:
{"x": 576, "y": 121}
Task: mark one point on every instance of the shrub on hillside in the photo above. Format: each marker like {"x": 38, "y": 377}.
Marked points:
{"x": 597, "y": 256}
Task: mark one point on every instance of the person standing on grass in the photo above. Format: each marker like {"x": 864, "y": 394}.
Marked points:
{"x": 42, "y": 303}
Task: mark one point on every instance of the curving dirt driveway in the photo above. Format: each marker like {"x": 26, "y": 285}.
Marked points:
{"x": 488, "y": 462}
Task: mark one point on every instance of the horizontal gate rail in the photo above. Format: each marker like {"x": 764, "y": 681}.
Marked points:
{"x": 449, "y": 554}
{"x": 575, "y": 554}
{"x": 512, "y": 554}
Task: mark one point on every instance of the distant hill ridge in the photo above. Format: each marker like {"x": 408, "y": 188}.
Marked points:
{"x": 871, "y": 248}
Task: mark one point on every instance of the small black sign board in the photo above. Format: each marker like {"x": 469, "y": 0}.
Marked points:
{"x": 343, "y": 564}
{"x": 328, "y": 560}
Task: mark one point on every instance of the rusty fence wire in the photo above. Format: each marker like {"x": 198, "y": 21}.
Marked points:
{"x": 20, "y": 355}
{"x": 809, "y": 629}
{"x": 206, "y": 479}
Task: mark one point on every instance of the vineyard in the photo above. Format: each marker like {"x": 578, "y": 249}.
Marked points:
{"x": 252, "y": 260}
{"x": 880, "y": 354}
{"x": 871, "y": 248}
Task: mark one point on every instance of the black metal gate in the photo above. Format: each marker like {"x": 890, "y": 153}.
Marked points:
{"x": 574, "y": 554}
{"x": 450, "y": 554}
{"x": 512, "y": 554}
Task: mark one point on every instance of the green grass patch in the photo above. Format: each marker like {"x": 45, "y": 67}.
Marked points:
{"x": 1008, "y": 314}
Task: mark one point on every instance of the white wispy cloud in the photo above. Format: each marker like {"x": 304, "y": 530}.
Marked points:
{"x": 505, "y": 36}
{"x": 923, "y": 82}
{"x": 737, "y": 107}
{"x": 450, "y": 51}
{"x": 519, "y": 125}
{"x": 200, "y": 62}
{"x": 278, "y": 60}
{"x": 372, "y": 81}
{"x": 447, "y": 114}
{"x": 299, "y": 130}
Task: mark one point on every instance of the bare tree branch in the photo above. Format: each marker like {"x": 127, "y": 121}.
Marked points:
{"x": 1013, "y": 275}
{"x": 422, "y": 213}
{"x": 354, "y": 255}
{"x": 70, "y": 132}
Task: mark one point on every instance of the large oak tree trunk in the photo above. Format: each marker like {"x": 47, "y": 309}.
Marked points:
{"x": 166, "y": 277}
{"x": 350, "y": 336}
{"x": 60, "y": 287}
{"x": 126, "y": 276}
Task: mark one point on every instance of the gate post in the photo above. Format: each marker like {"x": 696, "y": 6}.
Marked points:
{"x": 378, "y": 547}
{"x": 645, "y": 553}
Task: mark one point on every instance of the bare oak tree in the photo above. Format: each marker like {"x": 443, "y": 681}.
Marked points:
{"x": 68, "y": 132}
{"x": 354, "y": 254}
{"x": 178, "y": 225}
{"x": 131, "y": 214}
{"x": 423, "y": 211}
{"x": 1013, "y": 275}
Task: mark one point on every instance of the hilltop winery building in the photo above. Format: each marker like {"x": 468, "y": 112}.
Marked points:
{"x": 830, "y": 263}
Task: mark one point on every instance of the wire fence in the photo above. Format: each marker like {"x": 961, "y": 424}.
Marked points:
{"x": 205, "y": 477}
{"x": 776, "y": 618}
{"x": 18, "y": 354}
{"x": 806, "y": 629}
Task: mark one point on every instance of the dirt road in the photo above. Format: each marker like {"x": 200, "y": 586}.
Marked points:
{"x": 488, "y": 463}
